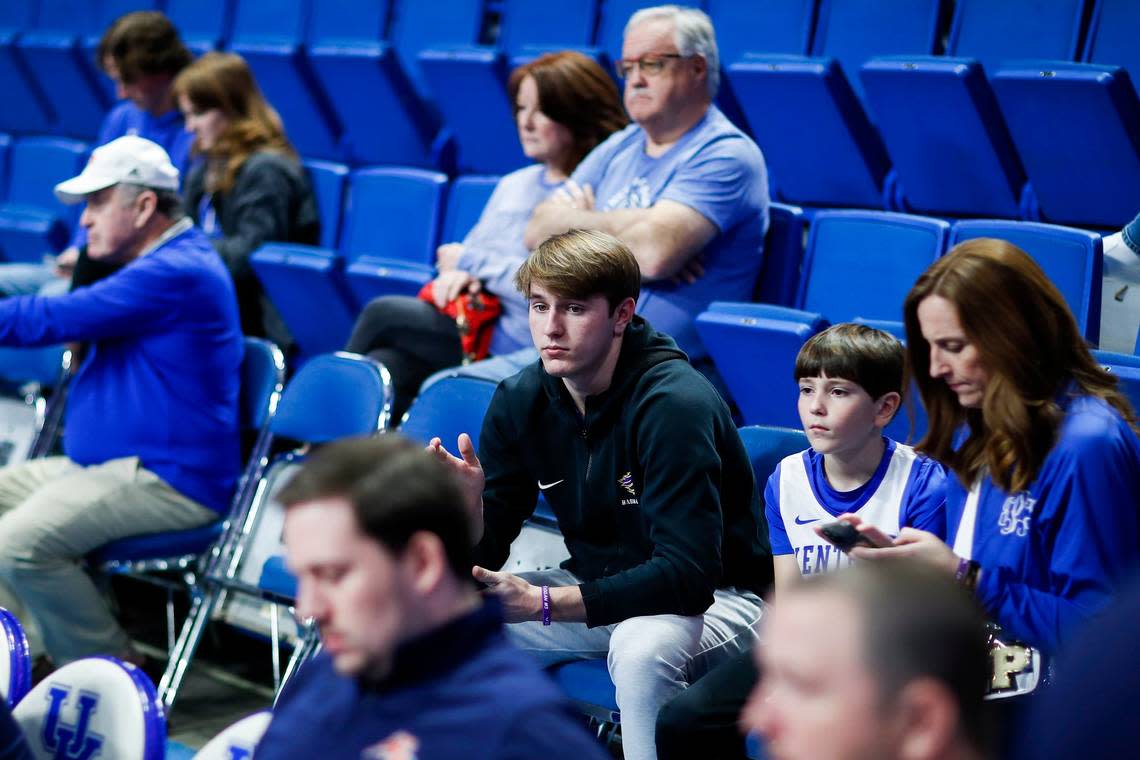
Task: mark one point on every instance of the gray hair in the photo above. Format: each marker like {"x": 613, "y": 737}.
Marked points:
{"x": 692, "y": 34}
{"x": 169, "y": 204}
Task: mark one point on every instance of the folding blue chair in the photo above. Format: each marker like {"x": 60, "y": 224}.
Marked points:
{"x": 153, "y": 557}
{"x": 783, "y": 256}
{"x": 54, "y": 53}
{"x": 32, "y": 400}
{"x": 16, "y": 660}
{"x": 587, "y": 682}
{"x": 32, "y": 221}
{"x": 269, "y": 34}
{"x": 391, "y": 231}
{"x": 528, "y": 28}
{"x": 94, "y": 707}
{"x": 26, "y": 109}
{"x": 754, "y": 347}
{"x": 387, "y": 118}
{"x": 448, "y": 407}
{"x": 332, "y": 396}
{"x": 1071, "y": 258}
{"x": 863, "y": 263}
{"x": 1093, "y": 109}
{"x": 806, "y": 112}
{"x": 940, "y": 120}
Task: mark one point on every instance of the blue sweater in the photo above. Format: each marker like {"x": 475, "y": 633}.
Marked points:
{"x": 461, "y": 691}
{"x": 162, "y": 377}
{"x": 1052, "y": 556}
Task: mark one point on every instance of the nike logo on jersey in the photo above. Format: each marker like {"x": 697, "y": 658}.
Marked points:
{"x": 800, "y": 521}
{"x": 543, "y": 486}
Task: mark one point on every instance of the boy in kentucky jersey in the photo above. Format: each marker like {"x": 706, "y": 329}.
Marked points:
{"x": 850, "y": 381}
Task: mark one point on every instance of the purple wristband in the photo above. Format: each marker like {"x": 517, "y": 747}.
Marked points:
{"x": 963, "y": 568}
{"x": 546, "y": 605}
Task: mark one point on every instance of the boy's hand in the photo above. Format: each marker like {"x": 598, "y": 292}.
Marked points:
{"x": 469, "y": 473}
{"x": 521, "y": 601}
{"x": 914, "y": 544}
{"x": 877, "y": 537}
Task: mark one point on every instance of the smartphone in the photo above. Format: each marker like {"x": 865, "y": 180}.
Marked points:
{"x": 844, "y": 536}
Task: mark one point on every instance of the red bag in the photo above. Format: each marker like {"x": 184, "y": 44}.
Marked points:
{"x": 474, "y": 315}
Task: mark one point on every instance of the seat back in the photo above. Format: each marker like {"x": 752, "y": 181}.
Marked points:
{"x": 1109, "y": 40}
{"x": 237, "y": 741}
{"x": 448, "y": 407}
{"x": 863, "y": 263}
{"x": 269, "y": 22}
{"x": 770, "y": 26}
{"x": 1071, "y": 258}
{"x": 783, "y": 255}
{"x": 465, "y": 201}
{"x": 995, "y": 32}
{"x": 37, "y": 165}
{"x": 393, "y": 213}
{"x": 767, "y": 445}
{"x": 852, "y": 31}
{"x": 334, "y": 396}
{"x": 349, "y": 22}
{"x": 416, "y": 26}
{"x": 97, "y": 706}
{"x": 554, "y": 25}
{"x": 203, "y": 24}
{"x": 67, "y": 17}
{"x": 15, "y": 661}
{"x": 329, "y": 181}
{"x": 754, "y": 347}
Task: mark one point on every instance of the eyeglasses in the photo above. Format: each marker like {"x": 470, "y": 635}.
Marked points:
{"x": 650, "y": 65}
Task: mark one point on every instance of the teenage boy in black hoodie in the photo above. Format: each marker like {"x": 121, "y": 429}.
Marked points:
{"x": 639, "y": 459}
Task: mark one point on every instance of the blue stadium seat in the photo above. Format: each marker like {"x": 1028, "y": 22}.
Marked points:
{"x": 5, "y": 146}
{"x": 779, "y": 279}
{"x": 767, "y": 445}
{"x": 754, "y": 347}
{"x": 32, "y": 221}
{"x": 386, "y": 117}
{"x": 448, "y": 407}
{"x": 269, "y": 34}
{"x": 806, "y": 114}
{"x": 940, "y": 120}
{"x": 1111, "y": 358}
{"x": 772, "y": 26}
{"x": 465, "y": 202}
{"x": 391, "y": 230}
{"x": 329, "y": 181}
{"x": 308, "y": 287}
{"x": 332, "y": 396}
{"x": 1092, "y": 109}
{"x": 203, "y": 24}
{"x": 306, "y": 283}
{"x": 863, "y": 263}
{"x": 54, "y": 53}
{"x": 528, "y": 27}
{"x": 26, "y": 109}
{"x": 1071, "y": 258}
{"x": 15, "y": 660}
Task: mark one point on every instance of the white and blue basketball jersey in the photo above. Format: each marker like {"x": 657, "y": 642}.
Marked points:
{"x": 907, "y": 489}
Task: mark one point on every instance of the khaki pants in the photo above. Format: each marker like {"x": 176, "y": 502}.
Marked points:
{"x": 52, "y": 513}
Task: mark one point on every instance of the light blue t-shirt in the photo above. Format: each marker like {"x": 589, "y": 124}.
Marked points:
{"x": 494, "y": 250}
{"x": 714, "y": 169}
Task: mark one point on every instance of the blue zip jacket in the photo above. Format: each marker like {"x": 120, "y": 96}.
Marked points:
{"x": 162, "y": 377}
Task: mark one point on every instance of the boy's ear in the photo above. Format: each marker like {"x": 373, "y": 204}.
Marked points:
{"x": 885, "y": 408}
{"x": 624, "y": 313}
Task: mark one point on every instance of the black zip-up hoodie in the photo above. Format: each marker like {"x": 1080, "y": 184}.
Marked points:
{"x": 653, "y": 489}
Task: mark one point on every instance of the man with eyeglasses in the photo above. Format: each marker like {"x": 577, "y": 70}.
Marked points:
{"x": 683, "y": 187}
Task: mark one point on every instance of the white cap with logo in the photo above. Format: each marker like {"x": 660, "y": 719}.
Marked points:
{"x": 130, "y": 159}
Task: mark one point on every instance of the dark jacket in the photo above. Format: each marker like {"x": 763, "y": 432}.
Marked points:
{"x": 653, "y": 490}
{"x": 460, "y": 691}
{"x": 271, "y": 200}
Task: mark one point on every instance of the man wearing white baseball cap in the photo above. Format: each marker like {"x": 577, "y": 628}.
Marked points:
{"x": 151, "y": 438}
